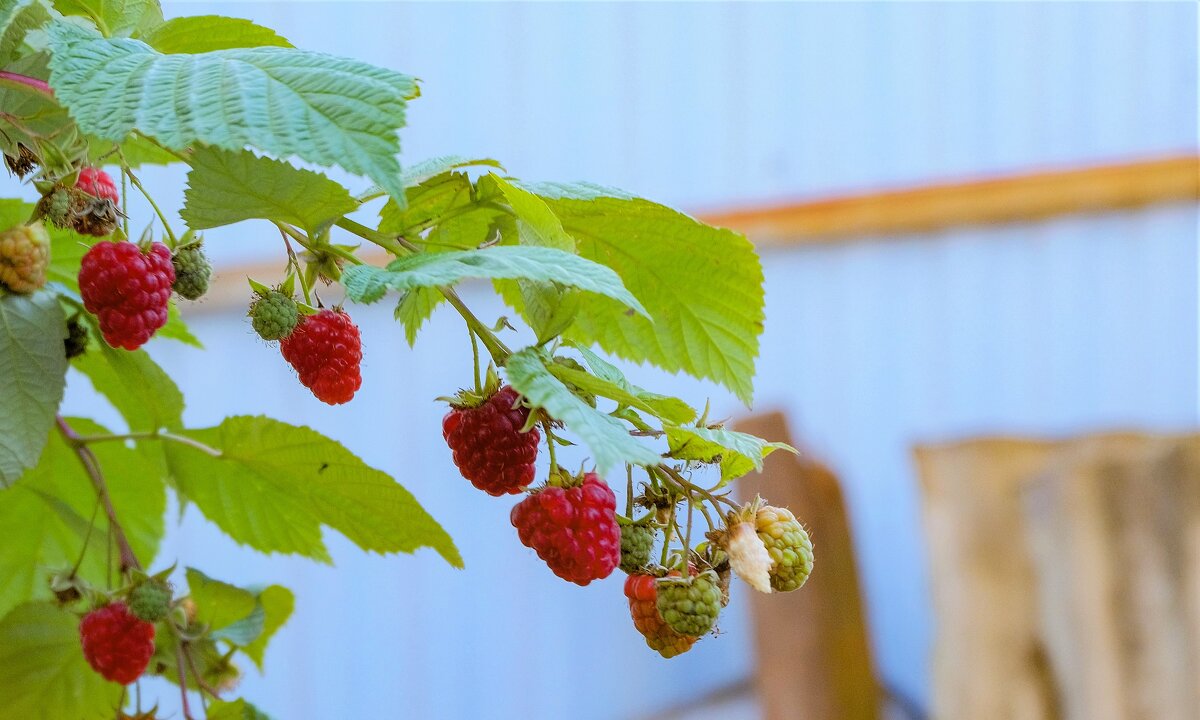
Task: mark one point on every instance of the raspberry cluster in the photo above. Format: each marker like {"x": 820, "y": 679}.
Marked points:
{"x": 192, "y": 271}
{"x": 128, "y": 289}
{"x": 24, "y": 256}
{"x": 637, "y": 542}
{"x": 788, "y": 545}
{"x": 488, "y": 444}
{"x": 642, "y": 592}
{"x": 117, "y": 644}
{"x": 574, "y": 529}
{"x": 274, "y": 315}
{"x": 326, "y": 351}
{"x": 89, "y": 207}
{"x": 690, "y": 605}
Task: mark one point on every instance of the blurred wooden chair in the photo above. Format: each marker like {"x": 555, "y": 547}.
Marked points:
{"x": 814, "y": 659}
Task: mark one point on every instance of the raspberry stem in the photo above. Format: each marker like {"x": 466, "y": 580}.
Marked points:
{"x": 400, "y": 247}
{"x": 294, "y": 264}
{"x": 17, "y": 79}
{"x": 550, "y": 447}
{"x": 475, "y": 358}
{"x": 183, "y": 690}
{"x": 92, "y": 466}
{"x": 138, "y": 184}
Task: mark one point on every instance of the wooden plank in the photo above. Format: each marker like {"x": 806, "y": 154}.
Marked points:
{"x": 1115, "y": 532}
{"x": 1017, "y": 198}
{"x": 1065, "y": 577}
{"x": 988, "y": 661}
{"x": 814, "y": 660}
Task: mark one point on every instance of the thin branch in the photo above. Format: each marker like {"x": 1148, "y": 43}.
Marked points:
{"x": 92, "y": 466}
{"x": 157, "y": 435}
{"x": 138, "y": 184}
{"x": 183, "y": 690}
{"x": 16, "y": 78}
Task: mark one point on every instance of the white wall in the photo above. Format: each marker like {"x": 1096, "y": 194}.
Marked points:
{"x": 1059, "y": 327}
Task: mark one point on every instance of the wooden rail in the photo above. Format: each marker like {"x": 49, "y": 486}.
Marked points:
{"x": 1015, "y": 198}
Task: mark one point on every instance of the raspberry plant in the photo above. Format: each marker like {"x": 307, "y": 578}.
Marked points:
{"x": 90, "y": 92}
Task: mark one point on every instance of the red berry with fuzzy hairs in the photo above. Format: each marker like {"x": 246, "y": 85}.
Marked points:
{"x": 97, "y": 183}
{"x": 574, "y": 529}
{"x": 127, "y": 289}
{"x": 116, "y": 643}
{"x": 489, "y": 448}
{"x": 326, "y": 350}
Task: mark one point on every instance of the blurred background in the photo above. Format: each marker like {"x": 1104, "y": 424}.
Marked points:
{"x": 977, "y": 221}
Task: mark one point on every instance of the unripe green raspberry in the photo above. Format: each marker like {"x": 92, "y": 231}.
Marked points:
{"x": 690, "y": 606}
{"x": 24, "y": 255}
{"x": 637, "y": 544}
{"x": 789, "y": 546}
{"x": 150, "y": 601}
{"x": 57, "y": 207}
{"x": 274, "y": 315}
{"x": 77, "y": 337}
{"x": 192, "y": 271}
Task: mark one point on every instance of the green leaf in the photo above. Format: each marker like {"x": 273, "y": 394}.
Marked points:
{"x": 548, "y": 308}
{"x": 676, "y": 411}
{"x": 218, "y": 604}
{"x": 738, "y": 452}
{"x": 205, "y": 33}
{"x": 42, "y": 671}
{"x": 536, "y": 222}
{"x": 136, "y": 150}
{"x": 47, "y": 513}
{"x": 367, "y": 284}
{"x": 115, "y": 17}
{"x": 702, "y": 285}
{"x": 274, "y": 485}
{"x": 671, "y": 409}
{"x": 235, "y": 710}
{"x": 611, "y": 444}
{"x": 276, "y": 603}
{"x": 18, "y": 17}
{"x": 33, "y": 367}
{"x": 323, "y": 109}
{"x": 425, "y": 203}
{"x": 228, "y": 187}
{"x": 30, "y": 115}
{"x": 176, "y": 329}
{"x": 426, "y": 169}
{"x": 134, "y": 384}
{"x": 414, "y": 308}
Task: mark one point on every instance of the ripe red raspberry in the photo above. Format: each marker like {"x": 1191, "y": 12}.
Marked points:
{"x": 127, "y": 289}
{"x": 574, "y": 529}
{"x": 97, "y": 183}
{"x": 642, "y": 592}
{"x": 116, "y": 644}
{"x": 326, "y": 350}
{"x": 489, "y": 448}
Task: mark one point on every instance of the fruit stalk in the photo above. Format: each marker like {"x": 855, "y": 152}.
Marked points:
{"x": 92, "y": 466}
